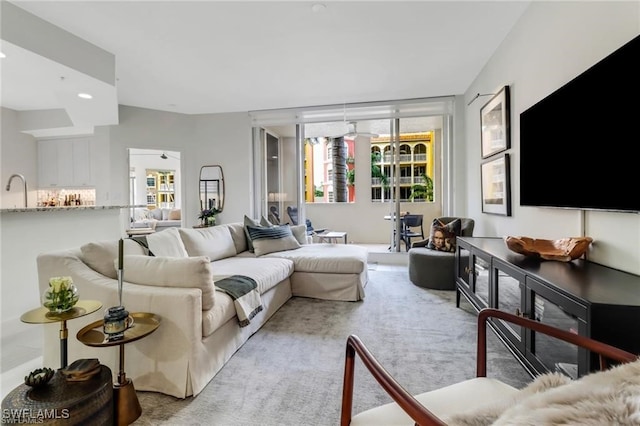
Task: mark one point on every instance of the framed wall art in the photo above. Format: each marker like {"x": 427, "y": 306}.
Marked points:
{"x": 495, "y": 124}
{"x": 496, "y": 186}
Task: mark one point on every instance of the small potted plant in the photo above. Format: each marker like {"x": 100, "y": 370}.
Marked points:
{"x": 61, "y": 295}
{"x": 208, "y": 216}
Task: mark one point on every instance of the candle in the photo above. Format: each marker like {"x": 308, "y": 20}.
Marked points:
{"x": 120, "y": 253}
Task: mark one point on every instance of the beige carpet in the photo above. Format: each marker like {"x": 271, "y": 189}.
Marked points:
{"x": 290, "y": 372}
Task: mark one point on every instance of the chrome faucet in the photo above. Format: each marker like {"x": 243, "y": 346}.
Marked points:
{"x": 24, "y": 181}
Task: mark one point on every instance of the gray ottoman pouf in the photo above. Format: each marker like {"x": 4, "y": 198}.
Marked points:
{"x": 432, "y": 269}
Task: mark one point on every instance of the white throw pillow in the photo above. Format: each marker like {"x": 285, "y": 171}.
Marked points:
{"x": 238, "y": 235}
{"x": 300, "y": 233}
{"x": 167, "y": 243}
{"x": 272, "y": 239}
{"x": 155, "y": 214}
{"x": 165, "y": 214}
{"x": 215, "y": 242}
{"x": 100, "y": 255}
{"x": 161, "y": 271}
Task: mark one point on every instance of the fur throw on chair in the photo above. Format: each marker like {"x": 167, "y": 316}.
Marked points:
{"x": 610, "y": 397}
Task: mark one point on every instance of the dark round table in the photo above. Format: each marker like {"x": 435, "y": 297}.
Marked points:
{"x": 61, "y": 402}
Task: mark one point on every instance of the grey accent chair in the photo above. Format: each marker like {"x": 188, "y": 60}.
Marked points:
{"x": 436, "y": 269}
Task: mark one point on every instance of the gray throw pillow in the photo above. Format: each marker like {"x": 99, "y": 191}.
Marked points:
{"x": 272, "y": 239}
{"x": 249, "y": 222}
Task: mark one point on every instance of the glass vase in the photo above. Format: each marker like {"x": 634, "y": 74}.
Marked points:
{"x": 60, "y": 301}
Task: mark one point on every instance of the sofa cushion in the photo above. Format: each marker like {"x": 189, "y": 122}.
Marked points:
{"x": 163, "y": 271}
{"x": 167, "y": 243}
{"x": 267, "y": 240}
{"x": 238, "y": 236}
{"x": 99, "y": 256}
{"x": 175, "y": 214}
{"x": 266, "y": 271}
{"x": 443, "y": 235}
{"x": 327, "y": 258}
{"x": 300, "y": 233}
{"x": 214, "y": 242}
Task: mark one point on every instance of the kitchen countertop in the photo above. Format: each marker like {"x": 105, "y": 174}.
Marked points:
{"x": 64, "y": 208}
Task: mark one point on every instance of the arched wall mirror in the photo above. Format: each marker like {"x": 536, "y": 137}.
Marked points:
{"x": 211, "y": 187}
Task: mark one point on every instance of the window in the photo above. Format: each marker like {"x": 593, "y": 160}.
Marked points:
{"x": 416, "y": 167}
{"x": 329, "y": 167}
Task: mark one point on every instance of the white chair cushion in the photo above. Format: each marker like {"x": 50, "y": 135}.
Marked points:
{"x": 442, "y": 402}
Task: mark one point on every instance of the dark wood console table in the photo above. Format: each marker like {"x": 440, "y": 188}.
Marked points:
{"x": 580, "y": 296}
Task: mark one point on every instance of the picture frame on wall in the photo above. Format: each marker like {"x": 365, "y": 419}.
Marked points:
{"x": 496, "y": 186}
{"x": 495, "y": 126}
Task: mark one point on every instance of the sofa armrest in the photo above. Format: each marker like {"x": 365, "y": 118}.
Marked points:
{"x": 168, "y": 351}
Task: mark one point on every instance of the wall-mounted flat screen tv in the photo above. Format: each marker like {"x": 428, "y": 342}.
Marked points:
{"x": 578, "y": 145}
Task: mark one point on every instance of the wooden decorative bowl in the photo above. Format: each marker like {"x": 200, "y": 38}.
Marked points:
{"x": 564, "y": 249}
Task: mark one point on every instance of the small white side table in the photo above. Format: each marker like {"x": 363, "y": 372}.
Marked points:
{"x": 332, "y": 237}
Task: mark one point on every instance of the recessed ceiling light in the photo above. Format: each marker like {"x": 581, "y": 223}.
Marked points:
{"x": 85, "y": 96}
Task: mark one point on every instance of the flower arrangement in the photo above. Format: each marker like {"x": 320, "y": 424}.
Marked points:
{"x": 61, "y": 296}
{"x": 208, "y": 216}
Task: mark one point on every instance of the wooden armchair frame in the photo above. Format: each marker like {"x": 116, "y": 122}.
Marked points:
{"x": 419, "y": 413}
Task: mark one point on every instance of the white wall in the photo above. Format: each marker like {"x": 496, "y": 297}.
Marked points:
{"x": 223, "y": 139}
{"x": 24, "y": 235}
{"x": 17, "y": 155}
{"x": 553, "y": 43}
{"x": 146, "y": 129}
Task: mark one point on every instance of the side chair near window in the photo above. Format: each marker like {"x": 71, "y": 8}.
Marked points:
{"x": 292, "y": 212}
{"x": 605, "y": 397}
{"x": 410, "y": 221}
{"x": 436, "y": 269}
{"x": 274, "y": 216}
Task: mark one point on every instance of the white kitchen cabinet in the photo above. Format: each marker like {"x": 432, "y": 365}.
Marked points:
{"x": 64, "y": 163}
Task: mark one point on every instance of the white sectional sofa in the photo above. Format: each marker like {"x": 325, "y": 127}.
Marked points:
{"x": 157, "y": 219}
{"x": 199, "y": 330}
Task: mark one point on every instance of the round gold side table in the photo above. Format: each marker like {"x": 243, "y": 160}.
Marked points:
{"x": 127, "y": 406}
{"x": 42, "y": 315}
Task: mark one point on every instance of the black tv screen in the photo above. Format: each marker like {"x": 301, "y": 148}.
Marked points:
{"x": 578, "y": 146}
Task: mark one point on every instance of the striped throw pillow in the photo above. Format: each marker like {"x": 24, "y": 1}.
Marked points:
{"x": 272, "y": 239}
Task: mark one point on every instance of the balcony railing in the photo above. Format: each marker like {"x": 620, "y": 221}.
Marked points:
{"x": 420, "y": 157}
{"x": 404, "y": 180}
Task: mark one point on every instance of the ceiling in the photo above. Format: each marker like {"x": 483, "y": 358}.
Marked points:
{"x": 198, "y": 57}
